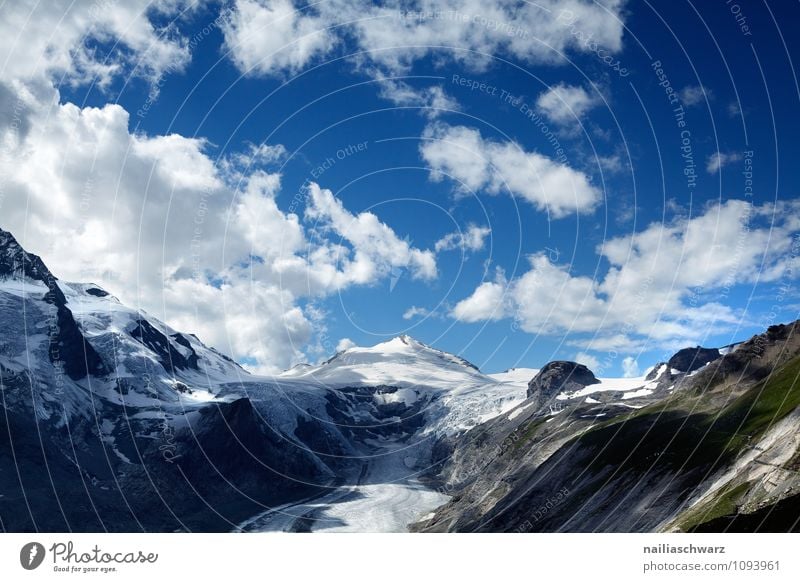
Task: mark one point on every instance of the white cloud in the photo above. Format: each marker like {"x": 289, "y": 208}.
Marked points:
{"x": 611, "y": 164}
{"x": 667, "y": 283}
{"x": 630, "y": 367}
{"x": 540, "y": 295}
{"x": 377, "y": 250}
{"x": 271, "y": 233}
{"x": 415, "y": 311}
{"x": 273, "y": 36}
{"x": 717, "y": 160}
{"x": 473, "y": 239}
{"x": 237, "y": 164}
{"x": 100, "y": 204}
{"x": 155, "y": 221}
{"x": 345, "y": 344}
{"x": 462, "y": 154}
{"x": 224, "y": 318}
{"x": 58, "y": 39}
{"x": 391, "y": 36}
{"x": 587, "y": 360}
{"x": 692, "y": 95}
{"x": 433, "y": 101}
{"x": 566, "y": 105}
{"x": 487, "y": 303}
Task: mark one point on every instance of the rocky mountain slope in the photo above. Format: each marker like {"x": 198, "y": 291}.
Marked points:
{"x": 112, "y": 420}
{"x": 710, "y": 443}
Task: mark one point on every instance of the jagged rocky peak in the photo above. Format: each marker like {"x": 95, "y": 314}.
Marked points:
{"x": 691, "y": 359}
{"x": 15, "y": 261}
{"x": 67, "y": 347}
{"x": 782, "y": 331}
{"x": 559, "y": 376}
{"x": 755, "y": 358}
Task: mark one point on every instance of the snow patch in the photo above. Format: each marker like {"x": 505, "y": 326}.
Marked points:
{"x": 517, "y": 411}
{"x": 605, "y": 385}
{"x": 516, "y": 375}
{"x": 637, "y": 393}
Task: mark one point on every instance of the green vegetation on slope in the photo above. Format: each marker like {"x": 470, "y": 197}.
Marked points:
{"x": 753, "y": 413}
{"x": 667, "y": 434}
{"x": 724, "y": 502}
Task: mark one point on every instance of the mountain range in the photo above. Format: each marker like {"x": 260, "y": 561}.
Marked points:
{"x": 113, "y": 421}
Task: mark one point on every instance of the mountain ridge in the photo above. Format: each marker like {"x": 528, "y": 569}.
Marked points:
{"x": 168, "y": 434}
{"x": 721, "y": 443}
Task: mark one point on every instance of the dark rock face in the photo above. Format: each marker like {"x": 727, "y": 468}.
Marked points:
{"x": 94, "y": 291}
{"x": 557, "y": 377}
{"x": 230, "y": 444}
{"x": 192, "y": 359}
{"x": 227, "y": 466}
{"x": 755, "y": 358}
{"x": 169, "y": 357}
{"x": 691, "y": 359}
{"x": 14, "y": 261}
{"x": 68, "y": 349}
{"x": 781, "y": 331}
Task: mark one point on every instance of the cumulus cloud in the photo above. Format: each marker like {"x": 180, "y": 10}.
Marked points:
{"x": 345, "y": 344}
{"x": 145, "y": 217}
{"x": 487, "y": 303}
{"x": 270, "y": 233}
{"x": 717, "y": 160}
{"x": 200, "y": 245}
{"x": 61, "y": 39}
{"x": 471, "y": 239}
{"x": 666, "y": 283}
{"x": 462, "y": 154}
{"x": 566, "y": 105}
{"x": 376, "y": 249}
{"x": 266, "y": 37}
{"x": 392, "y": 35}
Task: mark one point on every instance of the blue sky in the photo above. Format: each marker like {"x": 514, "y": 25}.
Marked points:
{"x": 609, "y": 254}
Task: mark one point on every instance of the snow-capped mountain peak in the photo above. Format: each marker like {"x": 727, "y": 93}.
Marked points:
{"x": 125, "y": 355}
{"x": 400, "y": 361}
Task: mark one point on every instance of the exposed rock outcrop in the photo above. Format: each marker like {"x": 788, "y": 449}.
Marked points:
{"x": 556, "y": 377}
{"x": 691, "y": 359}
